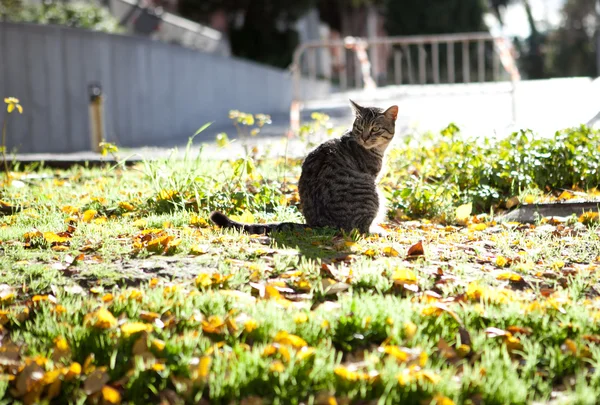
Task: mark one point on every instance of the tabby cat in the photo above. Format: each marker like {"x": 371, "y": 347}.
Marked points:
{"x": 338, "y": 184}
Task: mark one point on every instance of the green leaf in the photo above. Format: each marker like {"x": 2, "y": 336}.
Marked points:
{"x": 222, "y": 140}
{"x": 202, "y": 128}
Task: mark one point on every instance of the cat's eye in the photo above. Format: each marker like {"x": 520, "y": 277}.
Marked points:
{"x": 375, "y": 129}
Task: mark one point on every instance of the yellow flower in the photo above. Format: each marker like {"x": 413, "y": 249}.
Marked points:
{"x": 12, "y": 103}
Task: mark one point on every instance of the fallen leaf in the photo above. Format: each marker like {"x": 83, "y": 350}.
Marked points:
{"x": 463, "y": 212}
{"x": 416, "y": 250}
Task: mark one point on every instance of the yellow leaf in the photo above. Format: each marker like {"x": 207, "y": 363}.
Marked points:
{"x": 285, "y": 338}
{"x": 501, "y": 261}
{"x": 140, "y": 223}
{"x": 464, "y": 212}
{"x": 73, "y": 371}
{"x": 589, "y": 218}
{"x": 509, "y": 276}
{"x": 404, "y": 276}
{"x": 131, "y": 328}
{"x": 397, "y": 353}
{"x": 158, "y": 345}
{"x": 300, "y": 318}
{"x": 111, "y": 395}
{"x": 60, "y": 343}
{"x": 214, "y": 325}
{"x": 250, "y": 325}
{"x": 198, "y": 221}
{"x": 69, "y": 210}
{"x": 566, "y": 195}
{"x": 104, "y": 319}
{"x": 439, "y": 399}
{"x": 305, "y": 353}
{"x": 277, "y": 366}
{"x": 89, "y": 215}
{"x": 390, "y": 251}
{"x": 410, "y": 329}
{"x": 167, "y": 194}
{"x": 369, "y": 252}
{"x": 478, "y": 227}
{"x": 246, "y": 217}
{"x": 126, "y": 206}
{"x": 197, "y": 250}
{"x": 52, "y": 237}
{"x": 204, "y": 368}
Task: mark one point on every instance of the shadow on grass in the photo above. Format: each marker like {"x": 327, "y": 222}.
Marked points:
{"x": 324, "y": 243}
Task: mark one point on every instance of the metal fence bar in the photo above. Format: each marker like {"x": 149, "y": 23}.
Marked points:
{"x": 343, "y": 73}
{"x": 398, "y": 66}
{"x": 357, "y": 73}
{"x": 404, "y": 71}
{"x": 435, "y": 61}
{"x": 466, "y": 68}
{"x": 451, "y": 74}
{"x": 481, "y": 60}
{"x": 409, "y": 68}
{"x": 422, "y": 67}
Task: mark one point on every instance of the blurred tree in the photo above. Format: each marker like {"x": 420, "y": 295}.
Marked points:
{"x": 571, "y": 49}
{"x": 413, "y": 17}
{"x": 260, "y": 30}
{"x": 80, "y": 14}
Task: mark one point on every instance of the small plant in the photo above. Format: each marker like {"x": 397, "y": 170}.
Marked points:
{"x": 248, "y": 125}
{"x": 12, "y": 104}
{"x": 107, "y": 147}
{"x": 320, "y": 124}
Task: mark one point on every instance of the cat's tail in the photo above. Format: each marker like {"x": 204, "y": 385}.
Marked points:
{"x": 224, "y": 221}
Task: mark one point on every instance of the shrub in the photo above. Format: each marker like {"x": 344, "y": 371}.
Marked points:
{"x": 434, "y": 172}
{"x": 76, "y": 14}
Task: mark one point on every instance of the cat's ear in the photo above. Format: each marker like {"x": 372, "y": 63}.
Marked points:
{"x": 391, "y": 113}
{"x": 356, "y": 108}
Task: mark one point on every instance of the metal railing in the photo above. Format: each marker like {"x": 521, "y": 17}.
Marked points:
{"x": 415, "y": 60}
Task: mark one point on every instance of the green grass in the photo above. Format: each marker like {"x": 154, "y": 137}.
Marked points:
{"x": 144, "y": 300}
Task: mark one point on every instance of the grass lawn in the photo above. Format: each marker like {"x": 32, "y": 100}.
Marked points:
{"x": 116, "y": 289}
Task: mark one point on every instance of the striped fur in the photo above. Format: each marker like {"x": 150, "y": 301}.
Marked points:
{"x": 338, "y": 184}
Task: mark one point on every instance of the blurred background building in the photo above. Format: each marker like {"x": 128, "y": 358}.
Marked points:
{"x": 175, "y": 64}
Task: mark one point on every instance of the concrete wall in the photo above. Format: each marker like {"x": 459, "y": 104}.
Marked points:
{"x": 153, "y": 91}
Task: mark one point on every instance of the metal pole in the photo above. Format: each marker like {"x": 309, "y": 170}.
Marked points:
{"x": 96, "y": 111}
{"x": 422, "y": 67}
{"x": 450, "y": 65}
{"x": 481, "y": 61}
{"x": 466, "y": 62}
{"x": 343, "y": 69}
{"x": 435, "y": 61}
{"x": 398, "y": 66}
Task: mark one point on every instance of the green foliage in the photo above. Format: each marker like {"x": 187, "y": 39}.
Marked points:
{"x": 437, "y": 172}
{"x": 266, "y": 35}
{"x": 413, "y": 17}
{"x": 72, "y": 14}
